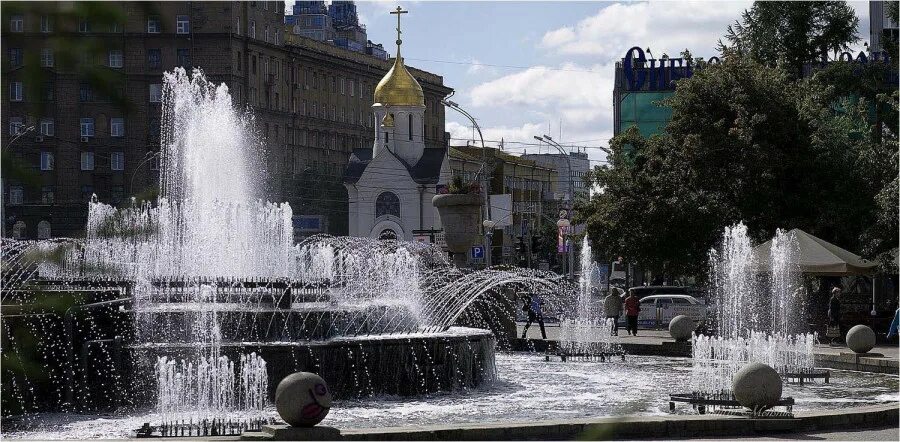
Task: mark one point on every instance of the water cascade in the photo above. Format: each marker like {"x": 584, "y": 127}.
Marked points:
{"x": 586, "y": 333}
{"x": 760, "y": 312}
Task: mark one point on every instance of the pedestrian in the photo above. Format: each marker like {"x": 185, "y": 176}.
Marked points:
{"x": 535, "y": 313}
{"x": 834, "y": 315}
{"x": 892, "y": 330}
{"x": 612, "y": 307}
{"x": 632, "y": 309}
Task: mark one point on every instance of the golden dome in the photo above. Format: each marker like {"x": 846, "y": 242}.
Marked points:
{"x": 399, "y": 87}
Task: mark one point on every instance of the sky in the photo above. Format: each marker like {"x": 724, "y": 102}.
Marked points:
{"x": 532, "y": 68}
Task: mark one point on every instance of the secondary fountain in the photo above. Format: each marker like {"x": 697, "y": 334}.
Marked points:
{"x": 586, "y": 334}
{"x": 759, "y": 311}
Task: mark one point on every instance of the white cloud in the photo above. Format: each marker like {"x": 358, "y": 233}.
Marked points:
{"x": 663, "y": 26}
{"x": 476, "y": 67}
{"x": 578, "y": 95}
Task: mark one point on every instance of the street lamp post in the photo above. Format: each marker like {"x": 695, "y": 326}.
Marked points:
{"x": 481, "y": 174}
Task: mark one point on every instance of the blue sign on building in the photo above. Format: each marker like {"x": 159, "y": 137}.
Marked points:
{"x": 478, "y": 252}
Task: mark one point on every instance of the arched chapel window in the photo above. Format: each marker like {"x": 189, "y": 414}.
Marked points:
{"x": 387, "y": 203}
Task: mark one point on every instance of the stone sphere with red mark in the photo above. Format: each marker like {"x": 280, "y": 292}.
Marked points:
{"x": 302, "y": 399}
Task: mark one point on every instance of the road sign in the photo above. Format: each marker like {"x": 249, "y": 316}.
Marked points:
{"x": 477, "y": 252}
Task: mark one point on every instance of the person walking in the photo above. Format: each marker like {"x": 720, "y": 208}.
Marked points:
{"x": 834, "y": 315}
{"x": 632, "y": 309}
{"x": 892, "y": 329}
{"x": 535, "y": 313}
{"x": 612, "y": 307}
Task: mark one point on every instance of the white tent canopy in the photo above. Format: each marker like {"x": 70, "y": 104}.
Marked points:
{"x": 819, "y": 257}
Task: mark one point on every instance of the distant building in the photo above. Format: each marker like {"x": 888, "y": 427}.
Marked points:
{"x": 309, "y": 99}
{"x": 559, "y": 162}
{"x": 880, "y": 26}
{"x": 337, "y": 24}
{"x": 528, "y": 187}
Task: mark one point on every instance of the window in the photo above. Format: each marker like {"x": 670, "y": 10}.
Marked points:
{"x": 16, "y": 195}
{"x": 15, "y": 125}
{"x": 277, "y": 37}
{"x": 47, "y": 195}
{"x": 15, "y": 91}
{"x": 342, "y": 85}
{"x": 46, "y": 24}
{"x": 267, "y": 33}
{"x": 154, "y": 57}
{"x": 87, "y": 127}
{"x": 116, "y": 28}
{"x": 333, "y": 85}
{"x": 252, "y": 28}
{"x": 387, "y": 203}
{"x": 182, "y": 24}
{"x": 184, "y": 58}
{"x": 17, "y": 23}
{"x": 155, "y": 93}
{"x": 153, "y": 25}
{"x": 237, "y": 25}
{"x": 87, "y": 160}
{"x": 352, "y": 87}
{"x": 115, "y": 59}
{"x": 43, "y": 230}
{"x": 253, "y": 64}
{"x": 15, "y": 57}
{"x": 85, "y": 93}
{"x": 117, "y": 161}
{"x": 84, "y": 25}
{"x": 48, "y": 128}
{"x": 343, "y": 116}
{"x": 47, "y": 58}
{"x": 266, "y": 5}
{"x": 117, "y": 127}
{"x": 303, "y": 108}
{"x": 238, "y": 61}
{"x": 87, "y": 192}
{"x": 46, "y": 160}
{"x": 410, "y": 127}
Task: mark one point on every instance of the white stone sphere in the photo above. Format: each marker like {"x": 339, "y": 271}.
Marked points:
{"x": 757, "y": 386}
{"x": 861, "y": 338}
{"x": 681, "y": 328}
{"x": 302, "y": 399}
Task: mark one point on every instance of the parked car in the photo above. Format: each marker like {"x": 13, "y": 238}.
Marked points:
{"x": 658, "y": 310}
{"x": 642, "y": 291}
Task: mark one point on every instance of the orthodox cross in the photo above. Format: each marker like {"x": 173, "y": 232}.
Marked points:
{"x": 398, "y": 12}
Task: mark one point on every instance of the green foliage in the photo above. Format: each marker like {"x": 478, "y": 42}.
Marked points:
{"x": 747, "y": 143}
{"x": 792, "y": 33}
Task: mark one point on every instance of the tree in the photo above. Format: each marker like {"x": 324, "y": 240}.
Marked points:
{"x": 792, "y": 33}
{"x": 745, "y": 143}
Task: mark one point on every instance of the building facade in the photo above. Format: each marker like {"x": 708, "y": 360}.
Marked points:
{"x": 523, "y": 203}
{"x": 81, "y": 105}
{"x": 880, "y": 26}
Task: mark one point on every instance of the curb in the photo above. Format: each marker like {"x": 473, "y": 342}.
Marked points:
{"x": 671, "y": 348}
{"x": 631, "y": 427}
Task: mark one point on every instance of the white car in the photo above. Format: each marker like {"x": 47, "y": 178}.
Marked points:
{"x": 658, "y": 310}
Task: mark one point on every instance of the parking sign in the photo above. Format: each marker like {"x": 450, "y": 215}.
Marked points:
{"x": 477, "y": 252}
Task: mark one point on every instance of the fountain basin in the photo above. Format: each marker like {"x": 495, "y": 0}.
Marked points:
{"x": 396, "y": 365}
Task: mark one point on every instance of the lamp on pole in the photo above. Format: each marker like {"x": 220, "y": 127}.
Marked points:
{"x": 481, "y": 174}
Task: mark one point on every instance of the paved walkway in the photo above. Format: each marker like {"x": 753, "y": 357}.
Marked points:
{"x": 885, "y": 433}
{"x": 657, "y": 337}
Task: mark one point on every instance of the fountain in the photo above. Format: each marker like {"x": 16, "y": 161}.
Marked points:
{"x": 587, "y": 334}
{"x": 199, "y": 303}
{"x": 759, "y": 315}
